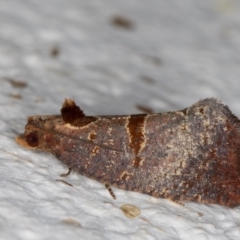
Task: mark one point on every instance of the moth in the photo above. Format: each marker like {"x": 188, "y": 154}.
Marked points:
{"x": 187, "y": 155}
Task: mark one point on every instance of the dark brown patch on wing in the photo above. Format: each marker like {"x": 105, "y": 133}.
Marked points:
{"x": 136, "y": 136}
{"x": 201, "y": 110}
{"x": 92, "y": 136}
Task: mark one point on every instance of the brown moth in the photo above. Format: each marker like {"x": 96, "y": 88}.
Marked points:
{"x": 187, "y": 155}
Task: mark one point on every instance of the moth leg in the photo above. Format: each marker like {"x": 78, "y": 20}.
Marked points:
{"x": 66, "y": 174}
{"x": 110, "y": 190}
{"x": 179, "y": 203}
{"x": 176, "y": 201}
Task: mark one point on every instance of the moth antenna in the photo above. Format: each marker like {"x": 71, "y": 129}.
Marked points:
{"x": 110, "y": 190}
{"x": 66, "y": 174}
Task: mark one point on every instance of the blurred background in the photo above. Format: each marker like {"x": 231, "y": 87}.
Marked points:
{"x": 112, "y": 57}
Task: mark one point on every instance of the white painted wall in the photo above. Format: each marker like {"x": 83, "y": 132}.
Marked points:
{"x": 188, "y": 49}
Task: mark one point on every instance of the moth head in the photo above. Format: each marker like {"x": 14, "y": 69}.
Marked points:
{"x": 35, "y": 135}
{"x": 30, "y": 139}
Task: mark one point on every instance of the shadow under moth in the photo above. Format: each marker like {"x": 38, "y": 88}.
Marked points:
{"x": 187, "y": 155}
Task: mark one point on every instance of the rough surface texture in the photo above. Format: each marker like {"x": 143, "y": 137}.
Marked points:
{"x": 190, "y": 155}
{"x": 173, "y": 54}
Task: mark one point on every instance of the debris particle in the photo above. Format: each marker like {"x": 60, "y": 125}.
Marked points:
{"x": 71, "y": 221}
{"x": 122, "y": 22}
{"x": 15, "y": 95}
{"x": 130, "y": 211}
{"x": 55, "y": 51}
{"x": 144, "y": 109}
{"x": 147, "y": 79}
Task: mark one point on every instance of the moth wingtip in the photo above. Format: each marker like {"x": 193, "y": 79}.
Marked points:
{"x": 70, "y": 111}
{"x": 68, "y": 102}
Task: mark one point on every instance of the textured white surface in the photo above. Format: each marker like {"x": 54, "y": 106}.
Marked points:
{"x": 177, "y": 53}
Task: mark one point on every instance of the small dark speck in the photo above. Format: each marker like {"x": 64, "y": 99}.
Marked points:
{"x": 147, "y": 79}
{"x": 15, "y": 95}
{"x": 72, "y": 222}
{"x": 144, "y": 109}
{"x": 153, "y": 60}
{"x": 15, "y": 83}
{"x": 122, "y": 22}
{"x": 55, "y": 51}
